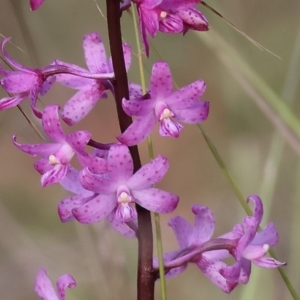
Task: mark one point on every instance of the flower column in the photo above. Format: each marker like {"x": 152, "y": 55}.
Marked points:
{"x": 145, "y": 239}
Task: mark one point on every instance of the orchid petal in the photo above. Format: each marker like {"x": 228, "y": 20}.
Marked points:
{"x": 182, "y": 230}
{"x": 197, "y": 113}
{"x": 258, "y": 210}
{"x": 96, "y": 209}
{"x": 51, "y": 123}
{"x": 121, "y": 227}
{"x": 78, "y": 140}
{"x": 138, "y": 130}
{"x": 43, "y": 286}
{"x": 72, "y": 183}
{"x": 54, "y": 175}
{"x": 161, "y": 81}
{"x": 19, "y": 82}
{"x": 212, "y": 272}
{"x": 149, "y": 174}
{"x": 34, "y": 149}
{"x": 47, "y": 84}
{"x": 10, "y": 102}
{"x": 171, "y": 24}
{"x": 96, "y": 183}
{"x": 63, "y": 282}
{"x": 35, "y": 4}
{"x": 193, "y": 18}
{"x": 268, "y": 262}
{"x": 11, "y": 61}
{"x": 268, "y": 235}
{"x": 138, "y": 107}
{"x": 73, "y": 81}
{"x": 94, "y": 53}
{"x": 186, "y": 96}
{"x": 66, "y": 206}
{"x": 81, "y": 103}
{"x": 43, "y": 165}
{"x": 204, "y": 225}
{"x": 156, "y": 200}
{"x": 119, "y": 164}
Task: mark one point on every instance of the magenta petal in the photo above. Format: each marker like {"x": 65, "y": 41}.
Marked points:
{"x": 195, "y": 114}
{"x": 156, "y": 200}
{"x": 119, "y": 164}
{"x": 81, "y": 104}
{"x": 34, "y": 149}
{"x": 135, "y": 91}
{"x": 96, "y": 209}
{"x": 139, "y": 130}
{"x": 120, "y": 226}
{"x": 51, "y": 123}
{"x": 78, "y": 140}
{"x": 63, "y": 282}
{"x": 43, "y": 286}
{"x": 149, "y": 4}
{"x": 35, "y": 4}
{"x": 175, "y": 4}
{"x": 66, "y": 206}
{"x": 10, "y": 102}
{"x": 204, "y": 225}
{"x": 258, "y": 210}
{"x": 251, "y": 226}
{"x": 11, "y": 61}
{"x": 47, "y": 84}
{"x": 72, "y": 81}
{"x": 187, "y": 96}
{"x": 268, "y": 262}
{"x": 96, "y": 183}
{"x": 268, "y": 235}
{"x": 127, "y": 55}
{"x": 161, "y": 81}
{"x": 94, "y": 53}
{"x": 150, "y": 21}
{"x": 182, "y": 230}
{"x": 149, "y": 174}
{"x": 33, "y": 100}
{"x": 212, "y": 272}
{"x": 193, "y": 18}
{"x": 95, "y": 164}
{"x": 19, "y": 82}
{"x": 43, "y": 165}
{"x": 54, "y": 175}
{"x": 138, "y": 107}
{"x": 245, "y": 271}
{"x": 171, "y": 24}
{"x": 72, "y": 183}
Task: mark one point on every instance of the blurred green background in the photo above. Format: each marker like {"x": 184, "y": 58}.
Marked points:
{"x": 260, "y": 151}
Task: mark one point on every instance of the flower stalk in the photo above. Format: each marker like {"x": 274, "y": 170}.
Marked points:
{"x": 145, "y": 276}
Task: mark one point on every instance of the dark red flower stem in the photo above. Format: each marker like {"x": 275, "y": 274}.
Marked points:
{"x": 145, "y": 279}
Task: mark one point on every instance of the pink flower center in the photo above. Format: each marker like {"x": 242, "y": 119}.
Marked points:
{"x": 125, "y": 211}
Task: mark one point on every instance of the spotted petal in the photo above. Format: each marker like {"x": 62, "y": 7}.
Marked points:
{"x": 96, "y": 209}
{"x": 149, "y": 174}
{"x": 156, "y": 200}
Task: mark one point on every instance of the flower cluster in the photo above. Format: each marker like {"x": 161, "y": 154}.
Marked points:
{"x": 244, "y": 243}
{"x": 107, "y": 185}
